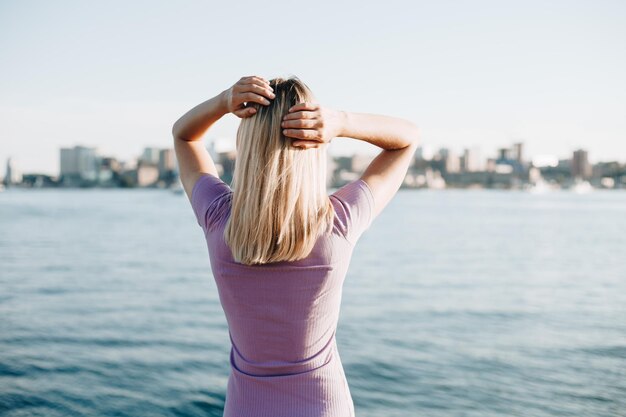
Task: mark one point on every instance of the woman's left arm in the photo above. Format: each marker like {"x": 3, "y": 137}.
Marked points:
{"x": 193, "y": 158}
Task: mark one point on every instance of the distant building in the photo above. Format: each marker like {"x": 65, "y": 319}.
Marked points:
{"x": 12, "y": 175}
{"x": 167, "y": 166}
{"x": 424, "y": 152}
{"x": 504, "y": 154}
{"x": 227, "y": 160}
{"x": 510, "y": 160}
{"x": 471, "y": 161}
{"x": 79, "y": 165}
{"x": 150, "y": 155}
{"x": 518, "y": 152}
{"x": 109, "y": 170}
{"x": 608, "y": 169}
{"x": 450, "y": 160}
{"x": 557, "y": 173}
{"x": 580, "y": 164}
{"x": 422, "y": 160}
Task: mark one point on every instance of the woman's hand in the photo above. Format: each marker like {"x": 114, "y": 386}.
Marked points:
{"x": 312, "y": 125}
{"x": 246, "y": 90}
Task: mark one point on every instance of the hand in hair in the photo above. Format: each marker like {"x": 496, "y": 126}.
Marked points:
{"x": 312, "y": 124}
{"x": 247, "y": 90}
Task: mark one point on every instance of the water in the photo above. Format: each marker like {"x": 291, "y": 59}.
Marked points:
{"x": 457, "y": 303}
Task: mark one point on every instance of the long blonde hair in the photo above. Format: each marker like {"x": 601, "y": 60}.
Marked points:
{"x": 280, "y": 205}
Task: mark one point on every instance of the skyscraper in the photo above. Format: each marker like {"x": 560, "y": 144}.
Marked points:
{"x": 167, "y": 160}
{"x": 78, "y": 164}
{"x": 471, "y": 160}
{"x": 580, "y": 164}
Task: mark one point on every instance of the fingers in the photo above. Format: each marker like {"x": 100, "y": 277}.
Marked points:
{"x": 245, "y": 112}
{"x": 304, "y": 106}
{"x": 250, "y": 97}
{"x": 252, "y": 89}
{"x": 301, "y": 123}
{"x": 306, "y": 144}
{"x": 254, "y": 78}
{"x": 256, "y": 87}
{"x": 307, "y": 134}
{"x": 300, "y": 115}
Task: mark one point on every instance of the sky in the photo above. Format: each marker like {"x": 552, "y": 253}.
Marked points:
{"x": 116, "y": 75}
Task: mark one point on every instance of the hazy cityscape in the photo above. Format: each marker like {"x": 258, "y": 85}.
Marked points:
{"x": 506, "y": 168}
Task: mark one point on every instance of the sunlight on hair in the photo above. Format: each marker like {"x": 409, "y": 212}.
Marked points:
{"x": 280, "y": 204}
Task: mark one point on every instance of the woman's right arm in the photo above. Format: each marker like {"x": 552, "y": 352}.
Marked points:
{"x": 311, "y": 126}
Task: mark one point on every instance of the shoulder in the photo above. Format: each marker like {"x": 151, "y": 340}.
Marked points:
{"x": 354, "y": 208}
{"x": 208, "y": 195}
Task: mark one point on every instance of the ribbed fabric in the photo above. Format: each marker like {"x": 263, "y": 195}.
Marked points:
{"x": 282, "y": 317}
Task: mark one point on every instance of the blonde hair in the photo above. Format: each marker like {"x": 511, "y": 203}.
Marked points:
{"x": 280, "y": 205}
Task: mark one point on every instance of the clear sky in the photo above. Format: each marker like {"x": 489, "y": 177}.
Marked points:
{"x": 117, "y": 74}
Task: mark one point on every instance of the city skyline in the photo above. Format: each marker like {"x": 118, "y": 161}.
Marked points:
{"x": 227, "y": 144}
{"x": 505, "y": 168}
{"x": 479, "y": 156}
{"x": 482, "y": 74}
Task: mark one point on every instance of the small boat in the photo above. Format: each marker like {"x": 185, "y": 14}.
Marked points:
{"x": 581, "y": 187}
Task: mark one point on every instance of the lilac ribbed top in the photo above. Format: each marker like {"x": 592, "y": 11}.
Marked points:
{"x": 282, "y": 317}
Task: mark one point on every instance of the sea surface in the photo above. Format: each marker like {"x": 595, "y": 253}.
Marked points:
{"x": 457, "y": 303}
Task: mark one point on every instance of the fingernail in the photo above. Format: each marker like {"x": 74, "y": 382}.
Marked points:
{"x": 266, "y": 101}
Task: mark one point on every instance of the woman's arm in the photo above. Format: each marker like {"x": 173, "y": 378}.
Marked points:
{"x": 192, "y": 125}
{"x": 312, "y": 126}
{"x": 386, "y": 132}
{"x": 193, "y": 158}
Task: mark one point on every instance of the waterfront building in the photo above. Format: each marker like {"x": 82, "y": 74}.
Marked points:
{"x": 167, "y": 166}
{"x": 518, "y": 152}
{"x": 580, "y": 164}
{"x": 471, "y": 161}
{"x": 450, "y": 160}
{"x": 150, "y": 155}
{"x": 79, "y": 165}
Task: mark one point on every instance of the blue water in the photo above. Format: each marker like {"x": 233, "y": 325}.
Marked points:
{"x": 457, "y": 303}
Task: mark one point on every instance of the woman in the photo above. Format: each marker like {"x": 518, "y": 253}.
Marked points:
{"x": 279, "y": 246}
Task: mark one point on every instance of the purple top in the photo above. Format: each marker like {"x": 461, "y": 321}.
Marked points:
{"x": 282, "y": 317}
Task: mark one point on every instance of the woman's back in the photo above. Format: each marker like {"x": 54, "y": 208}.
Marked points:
{"x": 282, "y": 296}
{"x": 282, "y": 317}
